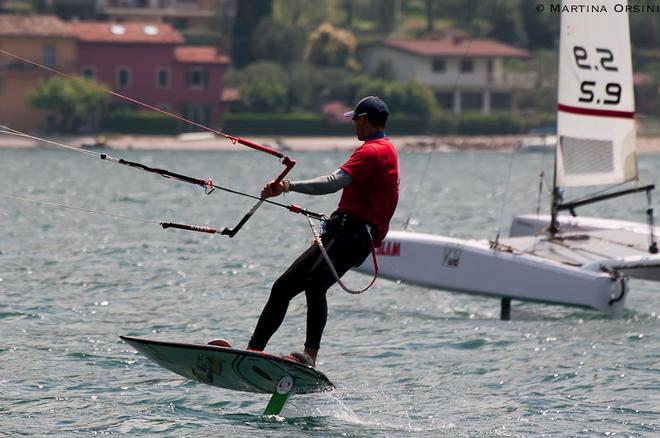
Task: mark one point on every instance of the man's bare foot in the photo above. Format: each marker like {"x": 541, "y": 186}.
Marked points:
{"x": 312, "y": 352}
{"x": 302, "y": 358}
{"x": 219, "y": 343}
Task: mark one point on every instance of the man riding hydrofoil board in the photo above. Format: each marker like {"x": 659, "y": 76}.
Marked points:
{"x": 370, "y": 184}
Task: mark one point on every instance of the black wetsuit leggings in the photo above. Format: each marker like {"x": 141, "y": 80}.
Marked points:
{"x": 348, "y": 243}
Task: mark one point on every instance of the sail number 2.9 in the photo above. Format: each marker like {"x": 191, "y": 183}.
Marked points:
{"x": 606, "y": 63}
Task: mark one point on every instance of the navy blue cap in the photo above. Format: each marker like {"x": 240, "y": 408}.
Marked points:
{"x": 370, "y": 105}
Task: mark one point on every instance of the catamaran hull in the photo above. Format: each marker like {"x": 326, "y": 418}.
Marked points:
{"x": 531, "y": 224}
{"x": 473, "y": 267}
{"x": 629, "y": 241}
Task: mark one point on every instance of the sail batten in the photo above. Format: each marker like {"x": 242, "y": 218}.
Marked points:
{"x": 596, "y": 104}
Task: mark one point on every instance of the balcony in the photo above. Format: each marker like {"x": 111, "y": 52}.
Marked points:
{"x": 525, "y": 80}
{"x": 478, "y": 80}
{"x": 149, "y": 8}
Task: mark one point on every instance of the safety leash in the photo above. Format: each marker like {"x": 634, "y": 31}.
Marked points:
{"x": 326, "y": 257}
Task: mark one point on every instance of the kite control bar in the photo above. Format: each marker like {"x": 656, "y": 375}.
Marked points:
{"x": 209, "y": 187}
{"x": 288, "y": 165}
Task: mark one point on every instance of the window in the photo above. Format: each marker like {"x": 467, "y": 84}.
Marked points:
{"x": 186, "y": 5}
{"x": 467, "y": 66}
{"x": 197, "y": 78}
{"x": 88, "y": 71}
{"x": 123, "y": 77}
{"x": 471, "y": 101}
{"x": 438, "y": 65}
{"x": 179, "y": 23}
{"x": 445, "y": 99}
{"x": 163, "y": 80}
{"x": 128, "y": 3}
{"x": 500, "y": 101}
{"x": 48, "y": 56}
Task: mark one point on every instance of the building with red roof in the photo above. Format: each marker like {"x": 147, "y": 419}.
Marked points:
{"x": 42, "y": 38}
{"x": 146, "y": 61}
{"x": 466, "y": 74}
{"x": 126, "y": 33}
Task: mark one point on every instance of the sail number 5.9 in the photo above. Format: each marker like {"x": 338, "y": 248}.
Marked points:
{"x": 612, "y": 89}
{"x": 605, "y": 63}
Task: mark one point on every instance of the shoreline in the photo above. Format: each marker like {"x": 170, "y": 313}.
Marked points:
{"x": 209, "y": 142}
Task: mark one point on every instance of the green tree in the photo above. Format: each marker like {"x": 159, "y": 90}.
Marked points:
{"x": 331, "y": 47}
{"x": 264, "y": 97}
{"x": 305, "y": 14}
{"x": 80, "y": 9}
{"x": 349, "y": 11}
{"x": 311, "y": 86}
{"x": 434, "y": 9}
{"x": 356, "y": 14}
{"x": 412, "y": 98}
{"x": 506, "y": 19}
{"x": 74, "y": 101}
{"x": 393, "y": 93}
{"x": 263, "y": 86}
{"x": 480, "y": 28}
{"x": 644, "y": 30}
{"x": 388, "y": 14}
{"x": 430, "y": 14}
{"x": 420, "y": 100}
{"x": 542, "y": 29}
{"x": 264, "y": 71}
{"x": 249, "y": 14}
{"x": 276, "y": 41}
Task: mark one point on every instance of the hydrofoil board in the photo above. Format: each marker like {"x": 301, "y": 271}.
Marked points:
{"x": 237, "y": 370}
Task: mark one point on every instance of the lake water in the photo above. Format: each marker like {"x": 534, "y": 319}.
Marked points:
{"x": 407, "y": 361}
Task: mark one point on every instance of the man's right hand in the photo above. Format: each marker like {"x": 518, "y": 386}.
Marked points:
{"x": 272, "y": 189}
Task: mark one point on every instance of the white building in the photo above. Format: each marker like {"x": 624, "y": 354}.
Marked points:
{"x": 466, "y": 74}
{"x": 181, "y": 14}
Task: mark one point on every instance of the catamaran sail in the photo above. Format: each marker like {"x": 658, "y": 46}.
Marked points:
{"x": 552, "y": 258}
{"x": 596, "y": 105}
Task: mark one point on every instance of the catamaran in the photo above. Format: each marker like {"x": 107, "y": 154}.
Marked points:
{"x": 558, "y": 258}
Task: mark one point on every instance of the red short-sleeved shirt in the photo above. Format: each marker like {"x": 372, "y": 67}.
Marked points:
{"x": 374, "y": 192}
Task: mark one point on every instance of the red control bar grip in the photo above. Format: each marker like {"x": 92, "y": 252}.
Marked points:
{"x": 288, "y": 165}
{"x": 256, "y": 146}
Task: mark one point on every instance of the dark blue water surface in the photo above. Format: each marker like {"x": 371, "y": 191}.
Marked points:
{"x": 407, "y": 361}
